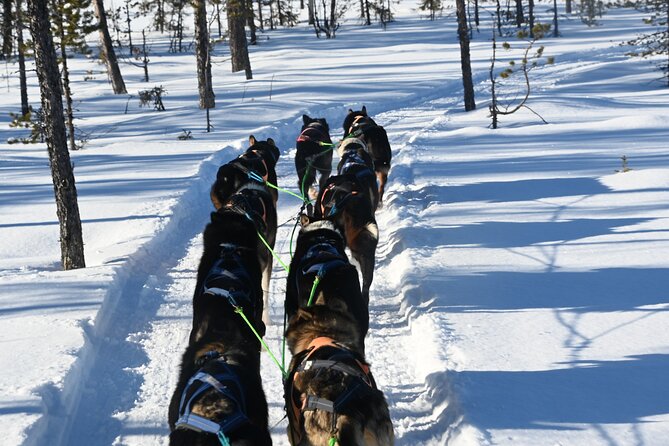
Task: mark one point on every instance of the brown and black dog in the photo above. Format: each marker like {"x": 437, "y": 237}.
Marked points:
{"x": 330, "y": 392}
{"x": 313, "y": 155}
{"x": 320, "y": 272}
{"x": 358, "y": 124}
{"x": 219, "y": 392}
{"x": 250, "y": 172}
{"x": 256, "y": 164}
{"x": 349, "y": 199}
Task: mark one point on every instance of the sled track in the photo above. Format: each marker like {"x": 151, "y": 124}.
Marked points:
{"x": 114, "y": 363}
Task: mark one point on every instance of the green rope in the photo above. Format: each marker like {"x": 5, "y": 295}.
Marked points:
{"x": 274, "y": 254}
{"x": 317, "y": 280}
{"x": 333, "y": 441}
{"x": 301, "y": 197}
{"x": 304, "y": 195}
{"x": 240, "y": 311}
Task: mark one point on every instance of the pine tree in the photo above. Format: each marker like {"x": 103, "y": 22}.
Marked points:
{"x": 655, "y": 43}
{"x": 71, "y": 240}
{"x": 433, "y": 7}
{"x": 157, "y": 9}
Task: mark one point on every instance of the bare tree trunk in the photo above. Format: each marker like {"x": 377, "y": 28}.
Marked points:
{"x": 476, "y": 14}
{"x": 555, "y": 19}
{"x": 530, "y": 13}
{"x": 311, "y": 4}
{"x": 25, "y": 106}
{"x": 465, "y": 60}
{"x": 368, "y": 20}
{"x": 128, "y": 22}
{"x": 69, "y": 114}
{"x": 239, "y": 51}
{"x": 493, "y": 105}
{"x": 145, "y": 57}
{"x": 520, "y": 18}
{"x": 71, "y": 240}
{"x": 251, "y": 21}
{"x": 7, "y": 28}
{"x": 333, "y": 17}
{"x": 260, "y": 20}
{"x": 279, "y": 12}
{"x": 202, "y": 55}
{"x": 567, "y": 7}
{"x": 107, "y": 49}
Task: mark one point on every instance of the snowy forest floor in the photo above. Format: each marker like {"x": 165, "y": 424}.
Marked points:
{"x": 520, "y": 294}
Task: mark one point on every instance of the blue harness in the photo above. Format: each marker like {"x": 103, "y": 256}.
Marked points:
{"x": 229, "y": 279}
{"x": 355, "y": 165}
{"x": 320, "y": 259}
{"x": 217, "y": 374}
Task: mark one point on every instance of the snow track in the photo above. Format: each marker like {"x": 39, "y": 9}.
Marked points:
{"x": 118, "y": 390}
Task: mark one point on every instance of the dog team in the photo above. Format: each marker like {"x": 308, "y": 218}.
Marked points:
{"x": 330, "y": 394}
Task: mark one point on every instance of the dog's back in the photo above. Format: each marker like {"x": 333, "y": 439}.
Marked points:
{"x": 219, "y": 391}
{"x": 313, "y": 156}
{"x": 330, "y": 391}
{"x": 320, "y": 272}
{"x": 358, "y": 124}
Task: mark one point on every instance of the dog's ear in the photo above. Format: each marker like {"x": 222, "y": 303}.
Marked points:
{"x": 304, "y": 315}
{"x": 271, "y": 142}
{"x": 350, "y": 110}
{"x": 364, "y": 110}
{"x": 306, "y": 119}
{"x": 252, "y": 140}
{"x": 304, "y": 220}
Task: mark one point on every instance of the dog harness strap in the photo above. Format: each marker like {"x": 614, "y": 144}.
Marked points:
{"x": 206, "y": 381}
{"x": 334, "y": 365}
{"x": 312, "y": 402}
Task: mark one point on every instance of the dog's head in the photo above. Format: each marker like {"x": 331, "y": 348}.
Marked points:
{"x": 266, "y": 149}
{"x": 315, "y": 122}
{"x": 228, "y": 179}
{"x": 350, "y": 117}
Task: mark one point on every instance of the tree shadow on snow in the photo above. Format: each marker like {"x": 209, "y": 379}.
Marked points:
{"x": 589, "y": 392}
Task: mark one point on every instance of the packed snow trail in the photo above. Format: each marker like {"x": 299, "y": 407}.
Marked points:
{"x": 119, "y": 389}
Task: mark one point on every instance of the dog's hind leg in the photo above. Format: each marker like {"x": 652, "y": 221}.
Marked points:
{"x": 266, "y": 275}
{"x": 324, "y": 169}
{"x": 382, "y": 177}
{"x": 363, "y": 248}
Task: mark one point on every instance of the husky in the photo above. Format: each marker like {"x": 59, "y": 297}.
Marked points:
{"x": 358, "y": 124}
{"x": 349, "y": 199}
{"x": 219, "y": 394}
{"x": 320, "y": 272}
{"x": 244, "y": 181}
{"x": 314, "y": 155}
{"x": 331, "y": 395}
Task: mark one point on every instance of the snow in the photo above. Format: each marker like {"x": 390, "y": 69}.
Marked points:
{"x": 520, "y": 294}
